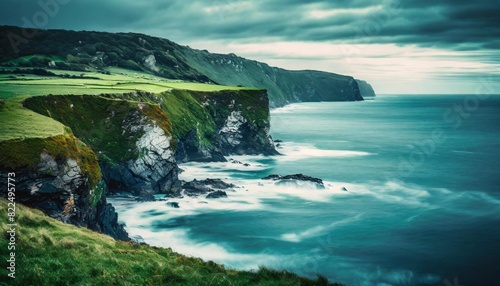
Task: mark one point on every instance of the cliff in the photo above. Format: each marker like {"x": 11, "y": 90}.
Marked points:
{"x": 60, "y": 175}
{"x": 85, "y": 51}
{"x": 140, "y": 136}
{"x": 131, "y": 139}
{"x": 365, "y": 89}
{"x": 284, "y": 86}
{"x": 210, "y": 125}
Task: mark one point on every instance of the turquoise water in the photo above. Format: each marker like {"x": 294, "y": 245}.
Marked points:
{"x": 422, "y": 204}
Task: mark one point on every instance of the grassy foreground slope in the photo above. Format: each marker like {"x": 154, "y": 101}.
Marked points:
{"x": 49, "y": 252}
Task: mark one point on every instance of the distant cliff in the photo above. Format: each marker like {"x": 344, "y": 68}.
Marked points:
{"x": 84, "y": 51}
{"x": 284, "y": 86}
{"x": 365, "y": 89}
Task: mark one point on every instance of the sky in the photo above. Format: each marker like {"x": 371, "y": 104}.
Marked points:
{"x": 399, "y": 46}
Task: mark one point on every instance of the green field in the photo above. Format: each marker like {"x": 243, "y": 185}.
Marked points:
{"x": 95, "y": 83}
{"x": 21, "y": 123}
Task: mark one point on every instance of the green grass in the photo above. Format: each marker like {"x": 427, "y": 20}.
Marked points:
{"x": 49, "y": 252}
{"x": 19, "y": 123}
{"x": 119, "y": 81}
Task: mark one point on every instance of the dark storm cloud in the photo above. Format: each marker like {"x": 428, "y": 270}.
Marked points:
{"x": 448, "y": 23}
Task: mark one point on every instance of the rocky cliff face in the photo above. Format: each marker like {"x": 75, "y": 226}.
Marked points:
{"x": 139, "y": 142}
{"x": 132, "y": 140}
{"x": 242, "y": 121}
{"x": 210, "y": 125}
{"x": 61, "y": 177}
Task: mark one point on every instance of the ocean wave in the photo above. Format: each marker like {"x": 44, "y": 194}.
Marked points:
{"x": 295, "y": 151}
{"x": 289, "y": 108}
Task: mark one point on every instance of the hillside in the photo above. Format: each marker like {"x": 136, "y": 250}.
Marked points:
{"x": 96, "y": 51}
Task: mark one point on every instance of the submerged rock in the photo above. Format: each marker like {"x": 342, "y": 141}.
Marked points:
{"x": 196, "y": 187}
{"x": 174, "y": 205}
{"x": 287, "y": 179}
{"x": 217, "y": 195}
{"x": 147, "y": 197}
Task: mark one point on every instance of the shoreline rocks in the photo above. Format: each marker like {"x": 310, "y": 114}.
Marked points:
{"x": 216, "y": 195}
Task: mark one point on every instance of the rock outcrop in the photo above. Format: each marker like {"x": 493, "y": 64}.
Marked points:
{"x": 294, "y": 179}
{"x": 216, "y": 195}
{"x": 60, "y": 176}
{"x": 212, "y": 187}
{"x": 242, "y": 121}
{"x": 210, "y": 125}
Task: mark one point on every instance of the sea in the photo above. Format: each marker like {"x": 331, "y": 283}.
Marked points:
{"x": 411, "y": 197}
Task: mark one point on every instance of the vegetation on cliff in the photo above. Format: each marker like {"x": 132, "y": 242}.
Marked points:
{"x": 48, "y": 252}
{"x": 100, "y": 122}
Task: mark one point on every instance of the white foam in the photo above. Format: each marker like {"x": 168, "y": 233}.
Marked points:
{"x": 393, "y": 192}
{"x": 220, "y": 170}
{"x": 295, "y": 151}
{"x": 318, "y": 230}
{"x": 289, "y": 108}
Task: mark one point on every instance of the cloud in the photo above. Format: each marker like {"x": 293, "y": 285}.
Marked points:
{"x": 423, "y": 22}
{"x": 291, "y": 32}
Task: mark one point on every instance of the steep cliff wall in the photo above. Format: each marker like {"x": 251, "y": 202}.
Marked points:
{"x": 128, "y": 143}
{"x": 132, "y": 139}
{"x": 242, "y": 121}
{"x": 60, "y": 175}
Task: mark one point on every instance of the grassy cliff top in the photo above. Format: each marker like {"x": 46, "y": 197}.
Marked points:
{"x": 48, "y": 252}
{"x": 19, "y": 123}
{"x": 18, "y": 84}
